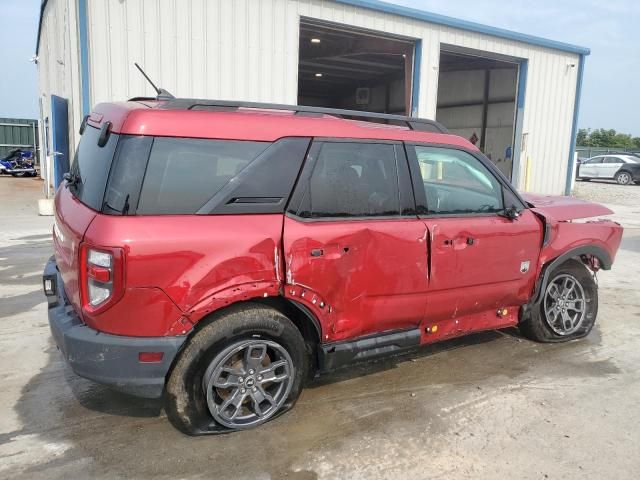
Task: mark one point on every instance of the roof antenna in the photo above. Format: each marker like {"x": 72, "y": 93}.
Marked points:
{"x": 162, "y": 93}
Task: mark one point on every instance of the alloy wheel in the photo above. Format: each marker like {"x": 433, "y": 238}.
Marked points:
{"x": 248, "y": 382}
{"x": 623, "y": 178}
{"x": 565, "y": 304}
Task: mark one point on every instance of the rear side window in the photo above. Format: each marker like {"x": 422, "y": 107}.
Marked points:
{"x": 126, "y": 175}
{"x": 353, "y": 180}
{"x": 184, "y": 173}
{"x": 90, "y": 166}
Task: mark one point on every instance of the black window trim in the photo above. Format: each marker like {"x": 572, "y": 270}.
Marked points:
{"x": 301, "y": 187}
{"x": 420, "y": 195}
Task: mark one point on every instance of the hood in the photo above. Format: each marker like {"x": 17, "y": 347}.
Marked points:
{"x": 565, "y": 208}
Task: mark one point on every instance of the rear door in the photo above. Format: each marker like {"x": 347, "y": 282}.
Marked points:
{"x": 610, "y": 166}
{"x": 479, "y": 259}
{"x": 352, "y": 241}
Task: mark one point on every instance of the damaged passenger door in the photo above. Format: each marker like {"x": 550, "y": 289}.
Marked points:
{"x": 484, "y": 243}
{"x": 355, "y": 251}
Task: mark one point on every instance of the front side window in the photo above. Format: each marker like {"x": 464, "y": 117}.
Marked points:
{"x": 184, "y": 173}
{"x": 594, "y": 160}
{"x": 455, "y": 182}
{"x": 353, "y": 180}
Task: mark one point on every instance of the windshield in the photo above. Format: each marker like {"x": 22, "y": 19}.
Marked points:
{"x": 90, "y": 167}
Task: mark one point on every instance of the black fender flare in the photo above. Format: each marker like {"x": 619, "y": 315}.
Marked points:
{"x": 592, "y": 250}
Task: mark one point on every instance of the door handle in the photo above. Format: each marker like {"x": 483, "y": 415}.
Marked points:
{"x": 317, "y": 252}
{"x": 470, "y": 241}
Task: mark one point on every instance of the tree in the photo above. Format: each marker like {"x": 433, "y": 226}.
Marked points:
{"x": 608, "y": 138}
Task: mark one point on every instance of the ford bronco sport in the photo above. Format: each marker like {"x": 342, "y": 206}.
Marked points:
{"x": 220, "y": 254}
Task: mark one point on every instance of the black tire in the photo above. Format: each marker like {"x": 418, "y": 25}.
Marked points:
{"x": 537, "y": 327}
{"x": 624, "y": 178}
{"x": 186, "y": 400}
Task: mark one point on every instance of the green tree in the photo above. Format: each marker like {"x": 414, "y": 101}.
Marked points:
{"x": 603, "y": 137}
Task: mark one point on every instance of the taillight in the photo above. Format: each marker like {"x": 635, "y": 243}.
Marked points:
{"x": 101, "y": 277}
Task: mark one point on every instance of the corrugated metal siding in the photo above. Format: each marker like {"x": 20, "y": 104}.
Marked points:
{"x": 17, "y": 133}
{"x": 248, "y": 50}
{"x": 58, "y": 62}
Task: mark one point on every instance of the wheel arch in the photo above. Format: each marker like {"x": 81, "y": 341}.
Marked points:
{"x": 301, "y": 316}
{"x": 582, "y": 253}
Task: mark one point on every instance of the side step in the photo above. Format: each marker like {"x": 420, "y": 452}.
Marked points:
{"x": 336, "y": 354}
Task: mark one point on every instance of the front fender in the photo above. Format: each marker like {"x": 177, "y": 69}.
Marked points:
{"x": 595, "y": 239}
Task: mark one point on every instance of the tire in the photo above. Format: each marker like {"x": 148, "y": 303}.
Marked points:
{"x": 548, "y": 322}
{"x": 214, "y": 369}
{"x": 624, "y": 178}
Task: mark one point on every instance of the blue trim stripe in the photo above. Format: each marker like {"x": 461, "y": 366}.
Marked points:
{"x": 415, "y": 83}
{"x": 574, "y": 128}
{"x": 464, "y": 25}
{"x": 84, "y": 57}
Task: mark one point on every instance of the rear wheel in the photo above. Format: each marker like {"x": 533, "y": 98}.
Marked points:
{"x": 568, "y": 307}
{"x": 240, "y": 370}
{"x": 623, "y": 178}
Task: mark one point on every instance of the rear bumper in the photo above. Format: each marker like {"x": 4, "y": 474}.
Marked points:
{"x": 108, "y": 359}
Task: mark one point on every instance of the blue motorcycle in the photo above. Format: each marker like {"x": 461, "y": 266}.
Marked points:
{"x": 18, "y": 163}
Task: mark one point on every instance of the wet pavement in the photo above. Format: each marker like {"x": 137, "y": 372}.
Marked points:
{"x": 491, "y": 405}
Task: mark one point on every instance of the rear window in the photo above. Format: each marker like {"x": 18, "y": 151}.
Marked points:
{"x": 90, "y": 166}
{"x": 184, "y": 173}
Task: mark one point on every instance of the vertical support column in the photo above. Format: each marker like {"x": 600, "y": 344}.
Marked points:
{"x": 83, "y": 32}
{"x": 574, "y": 128}
{"x": 516, "y": 154}
{"x": 485, "y": 109}
{"x": 415, "y": 83}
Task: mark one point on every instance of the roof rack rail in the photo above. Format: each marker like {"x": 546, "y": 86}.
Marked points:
{"x": 413, "y": 123}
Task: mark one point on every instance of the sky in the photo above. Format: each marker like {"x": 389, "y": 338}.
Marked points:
{"x": 610, "y": 92}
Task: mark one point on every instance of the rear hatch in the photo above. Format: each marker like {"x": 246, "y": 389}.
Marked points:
{"x": 77, "y": 204}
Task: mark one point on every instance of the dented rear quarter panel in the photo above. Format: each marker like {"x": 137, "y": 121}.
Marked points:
{"x": 178, "y": 268}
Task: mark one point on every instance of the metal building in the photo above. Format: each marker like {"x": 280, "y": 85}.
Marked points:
{"x": 516, "y": 95}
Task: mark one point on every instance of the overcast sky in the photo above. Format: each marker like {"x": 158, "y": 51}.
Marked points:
{"x": 610, "y": 28}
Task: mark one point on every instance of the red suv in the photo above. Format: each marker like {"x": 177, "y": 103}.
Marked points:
{"x": 220, "y": 254}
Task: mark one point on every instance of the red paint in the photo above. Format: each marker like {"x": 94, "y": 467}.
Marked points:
{"x": 71, "y": 220}
{"x": 476, "y": 261}
{"x": 185, "y": 266}
{"x": 565, "y": 208}
{"x": 134, "y": 118}
{"x": 456, "y": 274}
{"x": 372, "y": 275}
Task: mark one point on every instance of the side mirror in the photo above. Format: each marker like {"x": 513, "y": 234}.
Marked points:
{"x": 511, "y": 213}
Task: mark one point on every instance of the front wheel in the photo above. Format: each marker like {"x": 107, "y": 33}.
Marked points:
{"x": 568, "y": 307}
{"x": 241, "y": 369}
{"x": 623, "y": 178}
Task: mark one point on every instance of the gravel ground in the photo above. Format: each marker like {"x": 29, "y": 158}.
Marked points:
{"x": 608, "y": 192}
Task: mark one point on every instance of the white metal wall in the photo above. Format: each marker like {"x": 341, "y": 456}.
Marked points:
{"x": 58, "y": 72}
{"x": 248, "y": 50}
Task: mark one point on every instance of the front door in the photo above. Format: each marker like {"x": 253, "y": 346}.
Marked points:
{"x": 479, "y": 259}
{"x": 352, "y": 241}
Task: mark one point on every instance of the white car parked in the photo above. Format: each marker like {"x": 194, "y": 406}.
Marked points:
{"x": 624, "y": 169}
